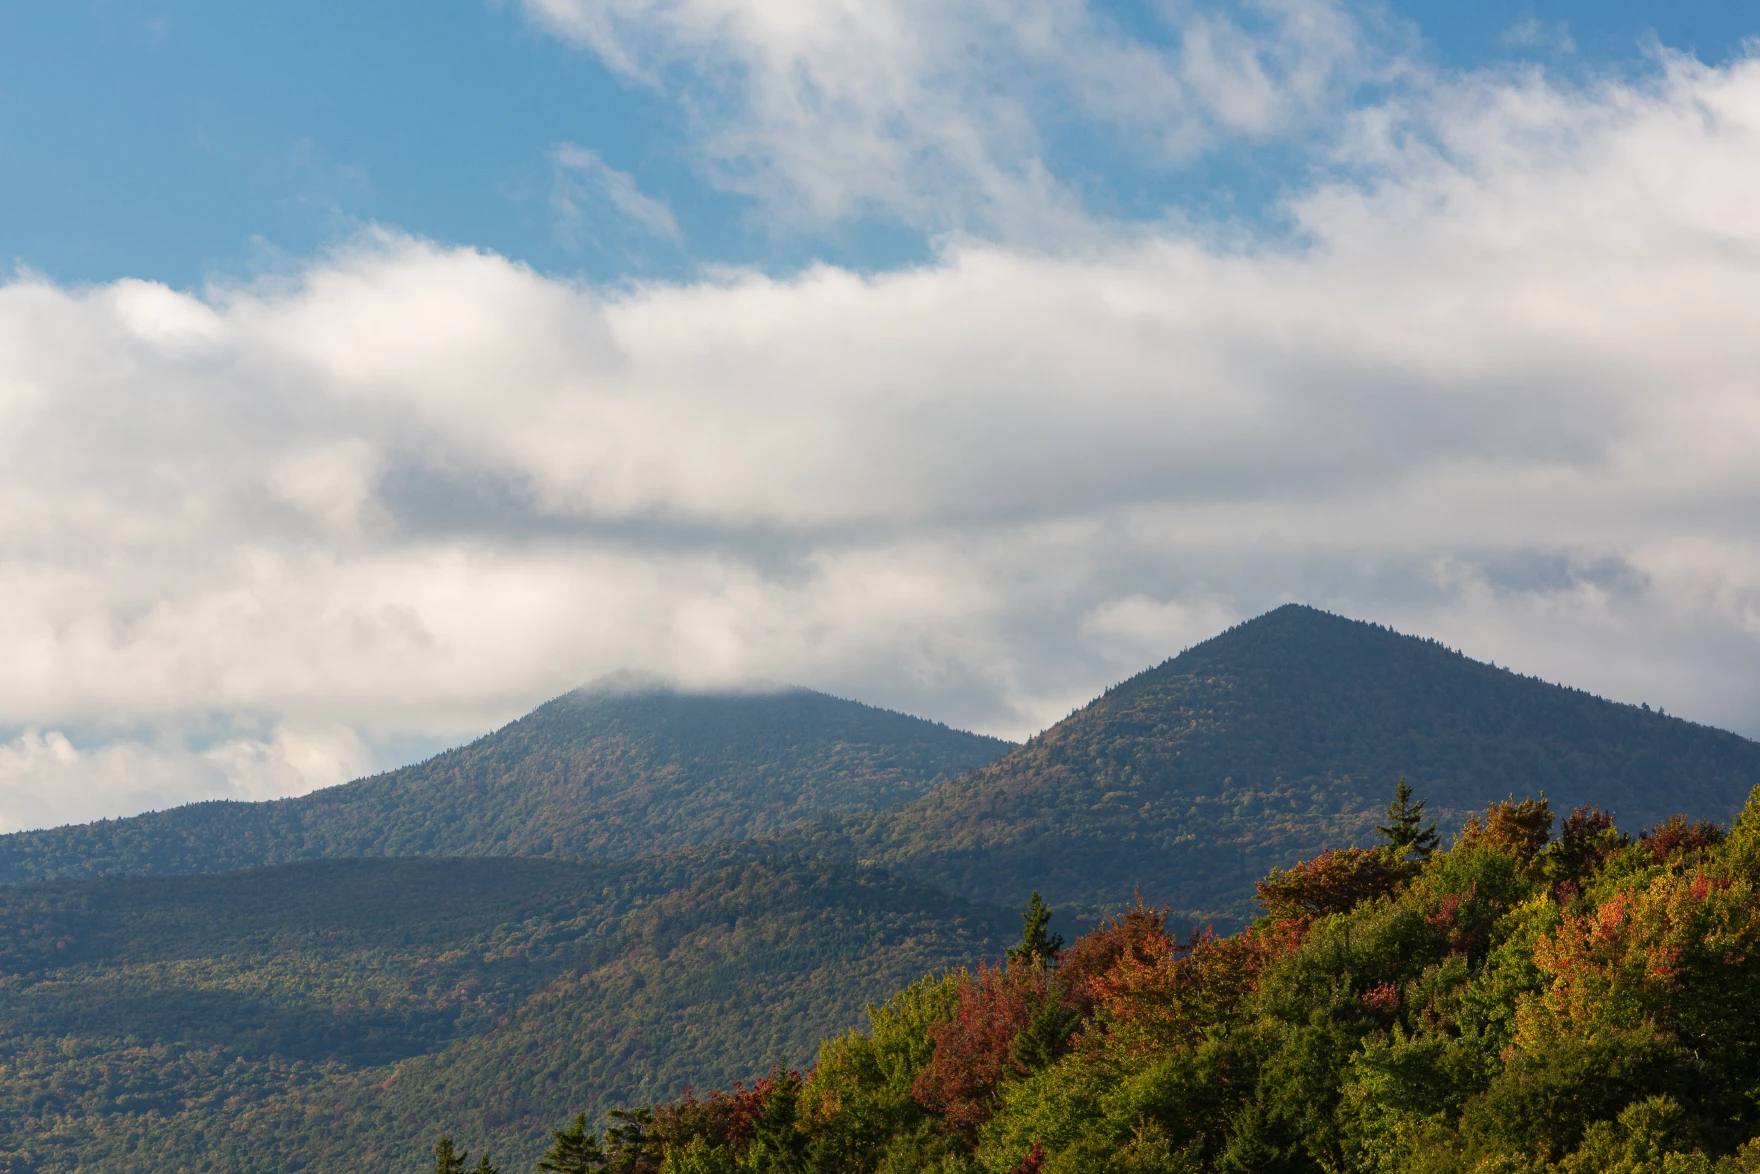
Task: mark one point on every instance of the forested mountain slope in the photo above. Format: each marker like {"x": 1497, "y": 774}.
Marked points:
{"x": 1539, "y": 998}
{"x": 336, "y": 1015}
{"x": 603, "y": 771}
{"x": 1277, "y": 738}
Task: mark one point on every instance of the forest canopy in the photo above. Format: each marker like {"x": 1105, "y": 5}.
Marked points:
{"x": 1542, "y": 997}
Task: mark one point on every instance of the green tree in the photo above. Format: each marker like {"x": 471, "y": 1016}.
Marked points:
{"x": 1035, "y": 942}
{"x": 448, "y": 1160}
{"x": 484, "y": 1166}
{"x": 1046, "y": 1035}
{"x": 574, "y": 1150}
{"x": 629, "y": 1141}
{"x": 778, "y": 1145}
{"x": 861, "y": 1086}
{"x": 1405, "y": 831}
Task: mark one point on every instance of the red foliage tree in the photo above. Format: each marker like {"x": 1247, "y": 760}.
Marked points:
{"x": 1676, "y": 837}
{"x": 721, "y": 1118}
{"x": 975, "y": 1049}
{"x": 1140, "y": 934}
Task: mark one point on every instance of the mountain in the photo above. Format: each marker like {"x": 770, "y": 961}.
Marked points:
{"x": 609, "y": 770}
{"x": 1279, "y": 737}
{"x": 337, "y": 1015}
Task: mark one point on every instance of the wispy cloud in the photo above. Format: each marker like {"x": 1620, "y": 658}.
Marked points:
{"x": 1532, "y": 33}
{"x": 939, "y": 113}
{"x": 585, "y": 185}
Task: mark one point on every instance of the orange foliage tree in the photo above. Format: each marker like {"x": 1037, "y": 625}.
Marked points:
{"x": 1678, "y": 953}
{"x": 1336, "y": 881}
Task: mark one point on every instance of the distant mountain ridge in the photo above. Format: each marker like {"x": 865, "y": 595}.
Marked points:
{"x": 1280, "y": 737}
{"x": 622, "y": 769}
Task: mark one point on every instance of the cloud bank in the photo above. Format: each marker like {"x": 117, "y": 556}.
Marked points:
{"x": 1500, "y": 388}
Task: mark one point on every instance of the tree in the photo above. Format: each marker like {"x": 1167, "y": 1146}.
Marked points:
{"x": 446, "y": 1159}
{"x": 1585, "y": 840}
{"x": 1521, "y": 829}
{"x": 1404, "y": 831}
{"x": 1035, "y": 942}
{"x": 1046, "y": 1035}
{"x": 1336, "y": 881}
{"x": 574, "y": 1150}
{"x": 1675, "y": 836}
{"x": 484, "y": 1166}
{"x": 975, "y": 1047}
{"x": 777, "y": 1144}
{"x": 629, "y": 1141}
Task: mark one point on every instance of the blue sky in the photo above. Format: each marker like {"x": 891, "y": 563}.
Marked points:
{"x": 370, "y": 373}
{"x": 183, "y": 141}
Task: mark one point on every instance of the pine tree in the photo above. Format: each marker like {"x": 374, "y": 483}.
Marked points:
{"x": 1046, "y": 1035}
{"x": 1035, "y": 942}
{"x": 446, "y": 1159}
{"x": 1404, "y": 830}
{"x": 574, "y": 1150}
{"x": 628, "y": 1141}
{"x": 484, "y": 1166}
{"x": 777, "y": 1144}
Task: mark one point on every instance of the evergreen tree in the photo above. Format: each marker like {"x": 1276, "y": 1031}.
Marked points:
{"x": 1035, "y": 942}
{"x": 484, "y": 1166}
{"x": 574, "y": 1150}
{"x": 446, "y": 1159}
{"x": 1046, "y": 1035}
{"x": 1404, "y": 830}
{"x": 628, "y": 1141}
{"x": 777, "y": 1145}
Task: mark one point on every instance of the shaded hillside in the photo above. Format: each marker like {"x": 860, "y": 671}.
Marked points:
{"x": 1279, "y": 737}
{"x": 597, "y": 772}
{"x": 336, "y": 1015}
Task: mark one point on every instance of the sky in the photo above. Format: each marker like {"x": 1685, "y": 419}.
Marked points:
{"x": 371, "y": 373}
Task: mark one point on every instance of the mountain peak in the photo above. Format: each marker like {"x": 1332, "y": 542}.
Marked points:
{"x": 1296, "y": 630}
{"x": 635, "y": 682}
{"x": 1281, "y": 736}
{"x": 623, "y": 768}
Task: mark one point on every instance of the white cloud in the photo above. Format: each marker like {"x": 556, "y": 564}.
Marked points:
{"x": 1532, "y": 33}
{"x": 584, "y": 182}
{"x": 1136, "y": 622}
{"x": 1503, "y": 393}
{"x": 937, "y": 112}
{"x": 332, "y": 483}
{"x": 46, "y": 781}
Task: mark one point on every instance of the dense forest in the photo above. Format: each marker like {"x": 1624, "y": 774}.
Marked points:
{"x": 1257, "y": 748}
{"x": 619, "y": 769}
{"x": 1535, "y": 999}
{"x": 331, "y": 1015}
